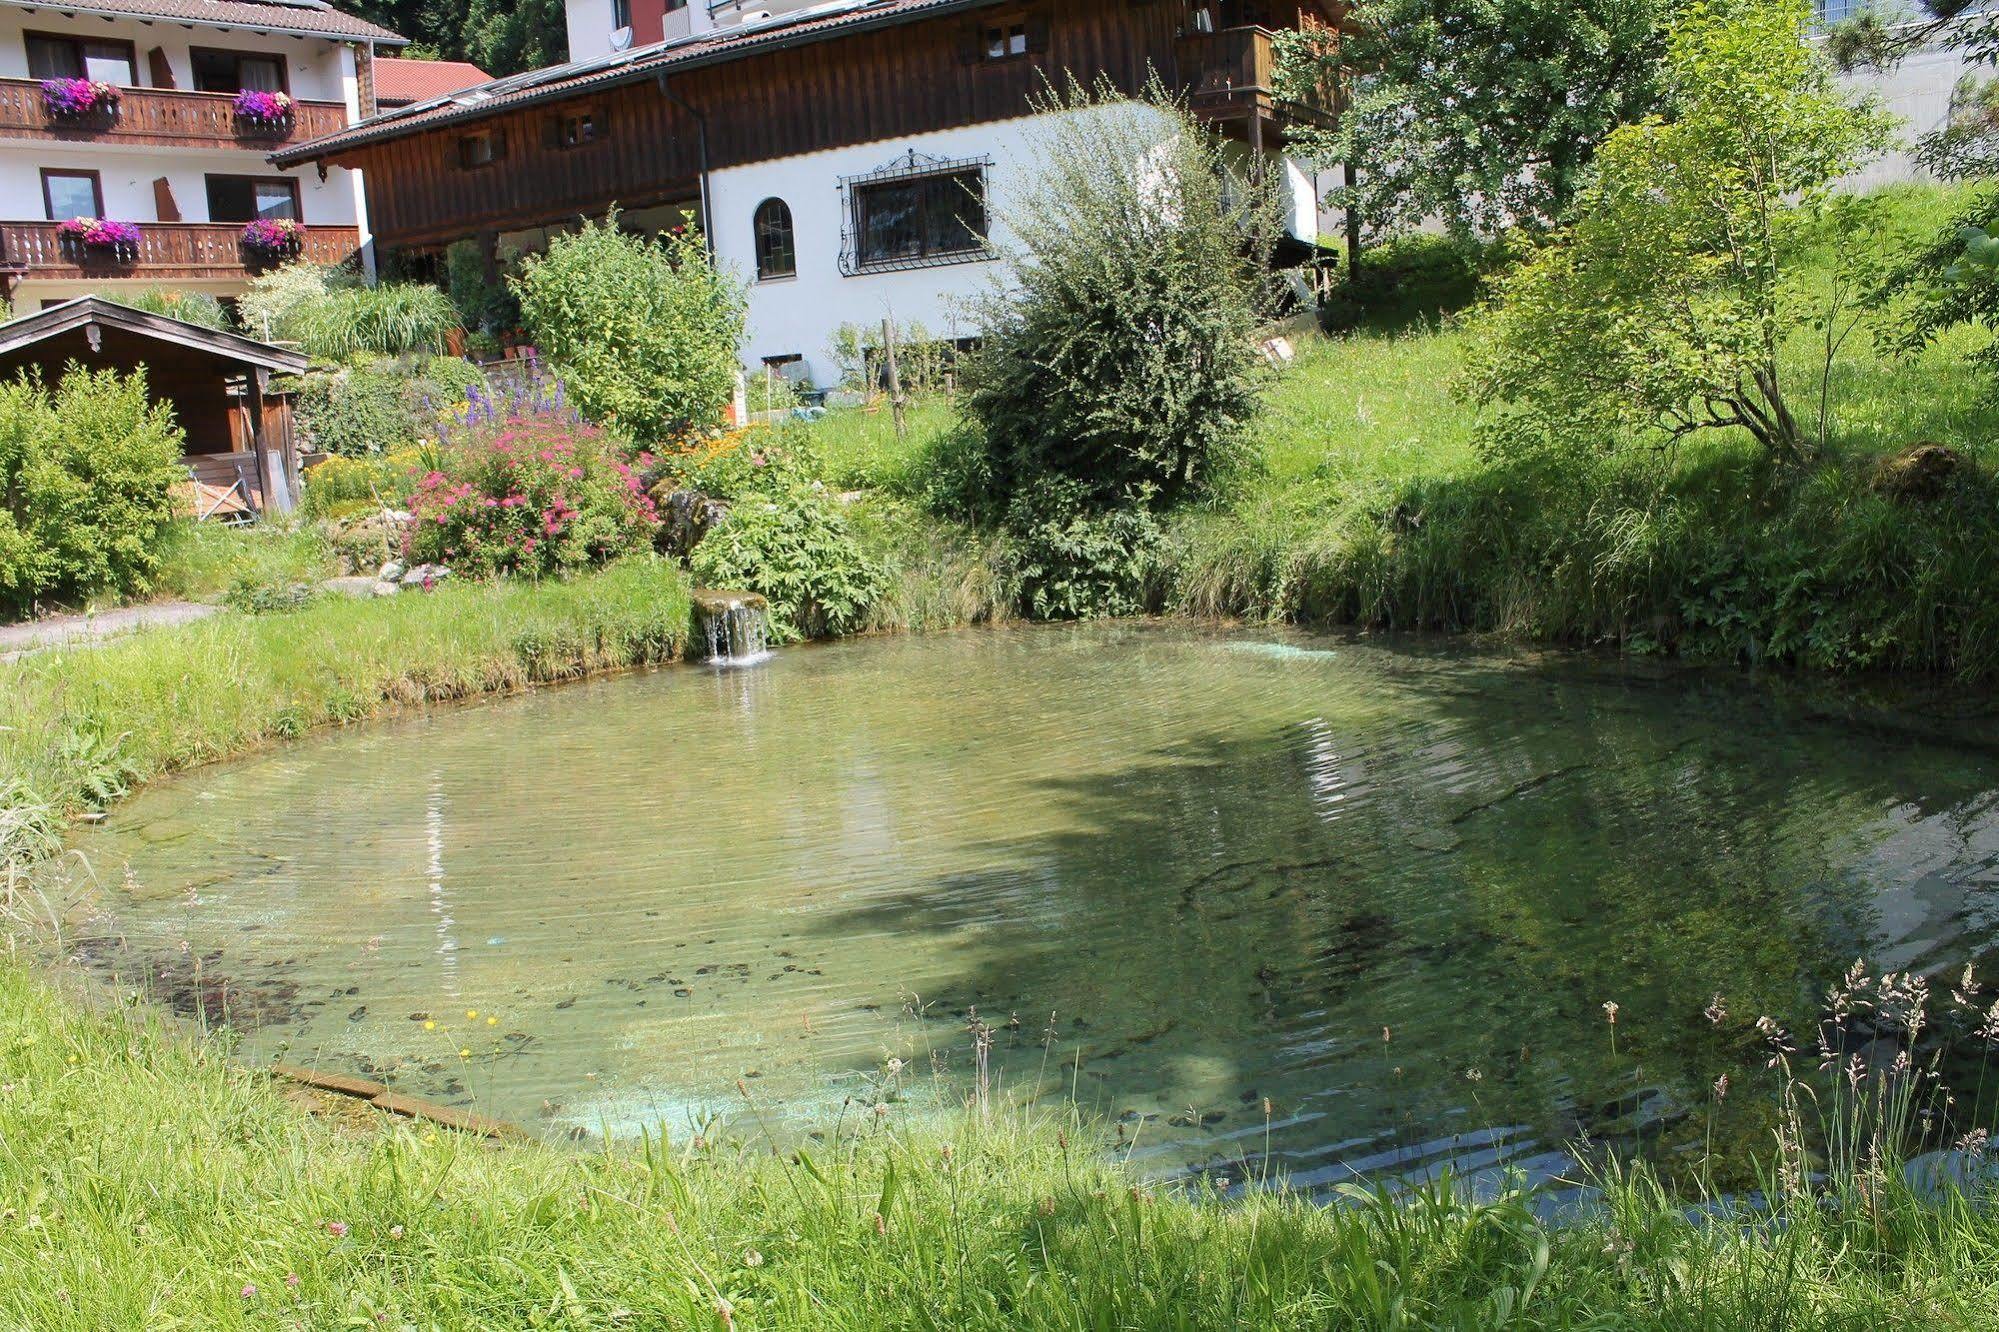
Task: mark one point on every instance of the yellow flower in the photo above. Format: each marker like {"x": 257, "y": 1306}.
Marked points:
{"x": 492, "y": 1022}
{"x": 464, "y": 1054}
{"x": 430, "y": 1026}
{"x": 471, "y": 1013}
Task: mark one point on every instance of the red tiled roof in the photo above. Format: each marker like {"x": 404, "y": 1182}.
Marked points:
{"x": 558, "y": 81}
{"x": 306, "y": 18}
{"x": 399, "y": 82}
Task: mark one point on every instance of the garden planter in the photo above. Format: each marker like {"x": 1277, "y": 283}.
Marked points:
{"x": 263, "y": 115}
{"x": 271, "y": 241}
{"x": 80, "y": 103}
{"x": 94, "y": 240}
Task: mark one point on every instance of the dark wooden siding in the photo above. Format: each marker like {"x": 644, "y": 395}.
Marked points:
{"x": 882, "y": 85}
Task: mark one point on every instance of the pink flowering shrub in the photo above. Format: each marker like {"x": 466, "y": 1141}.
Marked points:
{"x": 267, "y": 110}
{"x": 526, "y": 489}
{"x": 70, "y": 98}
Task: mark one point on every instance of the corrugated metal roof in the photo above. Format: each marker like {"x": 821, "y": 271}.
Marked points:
{"x": 303, "y": 18}
{"x": 827, "y": 21}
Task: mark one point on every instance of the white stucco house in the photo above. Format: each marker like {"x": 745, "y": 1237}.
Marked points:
{"x": 135, "y": 112}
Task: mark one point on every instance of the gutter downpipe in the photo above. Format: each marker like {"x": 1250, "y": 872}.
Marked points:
{"x": 665, "y": 82}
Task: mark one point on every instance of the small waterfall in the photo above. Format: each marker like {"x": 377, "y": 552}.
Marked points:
{"x": 737, "y": 625}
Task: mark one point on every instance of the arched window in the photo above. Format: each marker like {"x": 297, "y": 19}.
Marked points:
{"x": 777, "y": 256}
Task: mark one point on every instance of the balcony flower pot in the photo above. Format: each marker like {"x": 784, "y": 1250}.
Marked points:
{"x": 80, "y": 101}
{"x": 272, "y": 240}
{"x": 98, "y": 239}
{"x": 263, "y": 113}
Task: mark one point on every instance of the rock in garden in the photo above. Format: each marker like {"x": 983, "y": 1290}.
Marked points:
{"x": 391, "y": 571}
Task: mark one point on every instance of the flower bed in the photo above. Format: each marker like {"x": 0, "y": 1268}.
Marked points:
{"x": 263, "y": 112}
{"x": 523, "y": 486}
{"x": 100, "y": 237}
{"x": 76, "y": 99}
{"x": 273, "y": 238}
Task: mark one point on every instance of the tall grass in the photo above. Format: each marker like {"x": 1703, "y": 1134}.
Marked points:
{"x": 83, "y": 725}
{"x": 148, "y": 1182}
{"x": 393, "y": 319}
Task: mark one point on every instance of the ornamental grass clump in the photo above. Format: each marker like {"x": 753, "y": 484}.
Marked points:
{"x": 524, "y": 487}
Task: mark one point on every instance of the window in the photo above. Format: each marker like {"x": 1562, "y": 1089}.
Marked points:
{"x": 51, "y": 56}
{"x": 247, "y": 198}
{"x": 621, "y": 14}
{"x": 481, "y": 150}
{"x": 777, "y": 252}
{"x": 578, "y": 128}
{"x": 68, "y": 194}
{"x": 234, "y": 71}
{"x": 919, "y": 219}
{"x": 1006, "y": 40}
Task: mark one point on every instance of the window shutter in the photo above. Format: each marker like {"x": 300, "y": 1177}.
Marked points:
{"x": 499, "y": 145}
{"x": 1037, "y": 33}
{"x": 551, "y": 135}
{"x": 971, "y": 44}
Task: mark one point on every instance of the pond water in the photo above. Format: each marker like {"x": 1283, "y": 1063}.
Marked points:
{"x": 1181, "y": 872}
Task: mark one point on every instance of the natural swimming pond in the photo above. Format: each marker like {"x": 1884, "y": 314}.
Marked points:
{"x": 1180, "y": 872}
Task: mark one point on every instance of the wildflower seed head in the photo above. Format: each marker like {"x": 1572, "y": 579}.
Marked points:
{"x": 1610, "y": 1011}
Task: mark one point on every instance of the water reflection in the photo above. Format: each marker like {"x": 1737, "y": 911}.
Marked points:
{"x": 1184, "y": 874}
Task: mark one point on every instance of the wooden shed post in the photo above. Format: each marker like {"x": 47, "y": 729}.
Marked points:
{"x": 271, "y": 462}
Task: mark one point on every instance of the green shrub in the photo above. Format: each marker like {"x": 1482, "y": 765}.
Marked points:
{"x": 785, "y": 536}
{"x": 645, "y": 331}
{"x": 526, "y": 488}
{"x": 191, "y": 307}
{"x": 1123, "y": 355}
{"x": 87, "y": 475}
{"x": 344, "y": 485}
{"x": 1069, "y": 560}
{"x": 1409, "y": 279}
{"x": 268, "y": 307}
{"x": 378, "y": 406}
{"x": 485, "y": 307}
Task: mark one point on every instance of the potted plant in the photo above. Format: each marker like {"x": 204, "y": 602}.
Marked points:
{"x": 79, "y": 99}
{"x": 263, "y": 112}
{"x": 86, "y": 238}
{"x": 272, "y": 239}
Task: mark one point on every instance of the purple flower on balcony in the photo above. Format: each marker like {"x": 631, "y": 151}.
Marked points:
{"x": 73, "y": 98}
{"x": 101, "y": 234}
{"x": 273, "y": 237}
{"x": 266, "y": 110}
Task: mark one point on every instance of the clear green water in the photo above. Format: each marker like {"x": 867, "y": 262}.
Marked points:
{"x": 1181, "y": 871}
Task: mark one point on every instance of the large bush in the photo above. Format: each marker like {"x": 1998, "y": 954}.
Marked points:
{"x": 524, "y": 487}
{"x": 645, "y": 331}
{"x": 190, "y": 307}
{"x": 87, "y": 475}
{"x": 1122, "y": 354}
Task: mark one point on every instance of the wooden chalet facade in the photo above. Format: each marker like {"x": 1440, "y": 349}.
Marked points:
{"x": 762, "y": 132}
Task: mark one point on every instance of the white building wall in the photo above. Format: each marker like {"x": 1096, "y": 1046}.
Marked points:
{"x": 313, "y": 64}
{"x": 128, "y": 175}
{"x": 1918, "y": 92}
{"x": 798, "y": 316}
{"x": 589, "y": 24}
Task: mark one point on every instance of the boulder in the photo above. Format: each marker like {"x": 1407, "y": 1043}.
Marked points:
{"x": 686, "y": 516}
{"x": 391, "y": 571}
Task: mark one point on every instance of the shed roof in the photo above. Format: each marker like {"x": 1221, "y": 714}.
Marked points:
{"x": 399, "y": 82}
{"x": 20, "y": 335}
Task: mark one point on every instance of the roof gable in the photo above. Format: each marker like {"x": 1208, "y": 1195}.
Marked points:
{"x": 23, "y": 333}
{"x": 295, "y": 18}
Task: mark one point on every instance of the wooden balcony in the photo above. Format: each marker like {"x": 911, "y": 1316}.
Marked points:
{"x": 1231, "y": 76}
{"x": 153, "y": 118}
{"x": 167, "y": 252}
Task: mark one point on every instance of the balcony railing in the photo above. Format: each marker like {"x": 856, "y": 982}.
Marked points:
{"x": 167, "y": 251}
{"x": 154, "y": 117}
{"x": 1232, "y": 74}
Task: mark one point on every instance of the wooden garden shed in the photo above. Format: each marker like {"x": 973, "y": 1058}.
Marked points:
{"x": 241, "y": 454}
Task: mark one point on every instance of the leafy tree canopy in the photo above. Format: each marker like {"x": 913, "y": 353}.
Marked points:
{"x": 1666, "y": 304}
{"x": 1481, "y": 112}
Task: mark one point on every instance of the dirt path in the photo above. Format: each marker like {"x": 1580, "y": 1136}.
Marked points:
{"x": 17, "y": 640}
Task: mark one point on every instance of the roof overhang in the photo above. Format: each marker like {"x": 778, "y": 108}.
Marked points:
{"x": 111, "y": 9}
{"x": 23, "y": 333}
{"x": 656, "y": 62}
